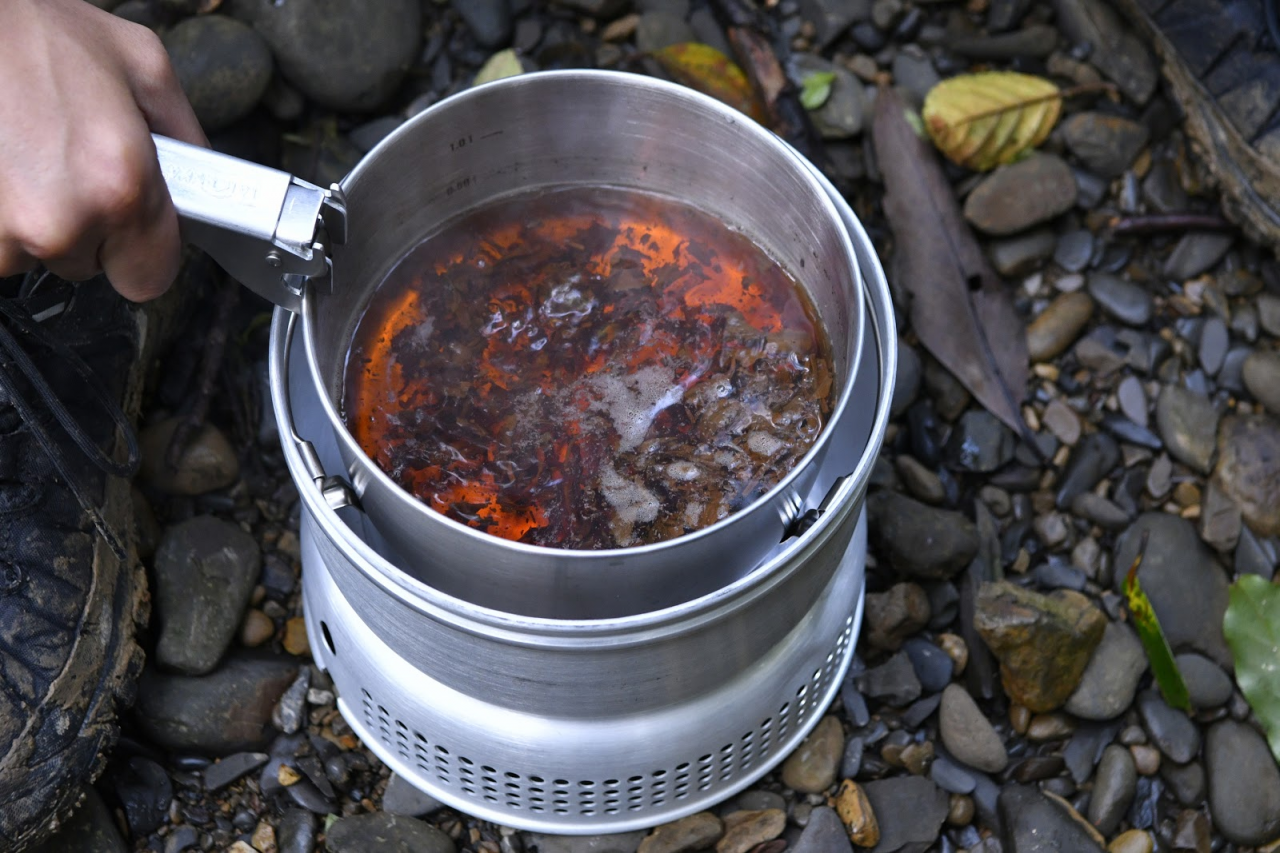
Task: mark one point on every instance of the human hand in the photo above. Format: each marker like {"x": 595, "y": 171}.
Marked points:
{"x": 80, "y": 188}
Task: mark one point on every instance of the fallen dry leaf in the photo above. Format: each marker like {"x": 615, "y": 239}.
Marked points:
{"x": 706, "y": 69}
{"x": 986, "y": 119}
{"x": 502, "y": 64}
{"x": 960, "y": 309}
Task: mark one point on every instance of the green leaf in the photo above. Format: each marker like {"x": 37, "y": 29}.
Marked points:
{"x": 504, "y": 63}
{"x": 1252, "y": 629}
{"x": 329, "y": 821}
{"x": 816, "y": 89}
{"x": 1163, "y": 666}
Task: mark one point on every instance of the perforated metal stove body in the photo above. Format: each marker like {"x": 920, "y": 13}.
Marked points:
{"x": 593, "y": 726}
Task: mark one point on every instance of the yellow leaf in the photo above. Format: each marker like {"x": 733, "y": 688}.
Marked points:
{"x": 706, "y": 69}
{"x": 504, "y": 63}
{"x": 986, "y": 119}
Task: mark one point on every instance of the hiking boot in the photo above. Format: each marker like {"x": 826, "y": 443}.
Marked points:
{"x": 1223, "y": 64}
{"x": 71, "y": 589}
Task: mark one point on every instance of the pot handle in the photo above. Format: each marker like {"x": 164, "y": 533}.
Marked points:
{"x": 269, "y": 230}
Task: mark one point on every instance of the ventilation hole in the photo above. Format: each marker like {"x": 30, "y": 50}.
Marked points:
{"x": 468, "y": 789}
{"x": 704, "y": 786}
{"x": 536, "y": 800}
{"x": 586, "y": 783}
{"x": 490, "y": 779}
{"x": 635, "y": 779}
{"x": 537, "y": 809}
{"x": 536, "y": 790}
{"x": 611, "y": 802}
{"x": 362, "y": 690}
{"x": 513, "y": 786}
{"x": 562, "y": 783}
{"x": 490, "y": 798}
{"x": 462, "y": 759}
{"x": 634, "y": 807}
{"x": 487, "y": 769}
{"x": 511, "y": 775}
{"x": 562, "y": 811}
{"x": 680, "y": 795}
{"x": 612, "y": 792}
{"x": 537, "y": 780}
{"x": 610, "y": 811}
{"x": 440, "y": 749}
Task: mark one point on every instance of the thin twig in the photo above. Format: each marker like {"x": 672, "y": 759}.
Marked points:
{"x": 1158, "y": 223}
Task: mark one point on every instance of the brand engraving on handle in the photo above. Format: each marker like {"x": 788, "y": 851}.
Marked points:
{"x": 215, "y": 185}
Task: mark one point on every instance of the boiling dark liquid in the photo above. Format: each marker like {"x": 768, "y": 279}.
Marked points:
{"x": 587, "y": 368}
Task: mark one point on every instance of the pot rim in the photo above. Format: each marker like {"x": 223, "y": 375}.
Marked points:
{"x": 803, "y": 466}
{"x": 491, "y": 622}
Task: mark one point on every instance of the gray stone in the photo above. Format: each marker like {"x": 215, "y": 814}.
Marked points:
{"x": 227, "y": 711}
{"x": 907, "y": 382}
{"x": 1220, "y": 518}
{"x": 1036, "y": 40}
{"x": 224, "y": 68}
{"x": 620, "y": 842}
{"x": 296, "y": 832}
{"x": 207, "y": 463}
{"x": 1269, "y": 314}
{"x": 1125, "y": 301}
{"x": 402, "y": 798}
{"x": 831, "y": 18}
{"x": 1113, "y": 789}
{"x": 1020, "y": 254}
{"x": 1106, "y": 689}
{"x": 221, "y": 774}
{"x": 1214, "y": 340}
{"x": 1132, "y": 398}
{"x": 1092, "y": 506}
{"x": 1018, "y": 196}
{"x": 1248, "y": 470}
{"x": 841, "y": 115}
{"x": 205, "y": 569}
{"x": 1074, "y": 250}
{"x": 950, "y": 776}
{"x": 1185, "y": 781}
{"x": 1196, "y": 252}
{"x": 967, "y": 734}
{"x": 1186, "y": 586}
{"x": 1117, "y": 51}
{"x": 287, "y": 716}
{"x": 347, "y": 55}
{"x": 933, "y": 666}
{"x": 1188, "y": 424}
{"x": 1170, "y": 729}
{"x": 851, "y": 761}
{"x": 979, "y": 443}
{"x": 910, "y": 811}
{"x": 1255, "y": 556}
{"x": 1032, "y": 823}
{"x": 91, "y": 829}
{"x": 656, "y": 30}
{"x": 824, "y": 833}
{"x": 488, "y": 20}
{"x": 369, "y": 134}
{"x": 893, "y": 682}
{"x": 1085, "y": 748}
{"x": 1244, "y": 783}
{"x": 1106, "y": 144}
{"x": 918, "y": 540}
{"x": 385, "y": 833}
{"x": 1207, "y": 685}
{"x": 914, "y": 73}
{"x": 1093, "y": 458}
{"x": 1261, "y": 374}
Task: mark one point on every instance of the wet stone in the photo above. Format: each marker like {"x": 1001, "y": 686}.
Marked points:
{"x": 1125, "y": 301}
{"x": 967, "y": 733}
{"x": 402, "y": 798}
{"x": 895, "y": 614}
{"x": 695, "y": 832}
{"x": 656, "y": 30}
{"x": 1058, "y": 325}
{"x": 1244, "y": 783}
{"x": 224, "y": 772}
{"x": 1269, "y": 313}
{"x": 743, "y": 830}
{"x": 1196, "y": 252}
{"x": 1018, "y": 196}
{"x": 812, "y": 767}
{"x": 488, "y": 20}
{"x": 1207, "y": 684}
{"x": 920, "y": 541}
{"x": 223, "y": 66}
{"x": 1248, "y": 470}
{"x": 1261, "y": 375}
{"x": 1254, "y": 556}
{"x": 1062, "y": 422}
{"x": 1113, "y": 789}
{"x": 1169, "y": 728}
{"x": 1093, "y": 458}
{"x": 1220, "y": 519}
{"x": 920, "y": 481}
{"x": 979, "y": 443}
{"x": 205, "y": 569}
{"x": 1043, "y": 642}
{"x": 932, "y": 665}
{"x": 1107, "y": 687}
{"x": 833, "y": 17}
{"x": 909, "y": 810}
{"x": 1185, "y": 781}
{"x": 824, "y": 833}
{"x": 287, "y": 714}
{"x": 1033, "y": 41}
{"x": 1106, "y": 144}
{"x": 1034, "y": 823}
{"x": 208, "y": 463}
{"x": 1133, "y": 400}
{"x": 907, "y": 382}
{"x": 1074, "y": 250}
{"x": 91, "y": 829}
{"x": 914, "y": 72}
{"x": 951, "y": 776}
{"x": 144, "y": 791}
{"x": 386, "y": 833}
{"x": 1188, "y": 424}
{"x": 1093, "y": 507}
{"x": 851, "y": 761}
{"x": 351, "y": 58}
{"x": 1214, "y": 340}
{"x": 1020, "y": 255}
{"x": 893, "y": 681}
{"x": 1038, "y": 767}
{"x": 841, "y": 115}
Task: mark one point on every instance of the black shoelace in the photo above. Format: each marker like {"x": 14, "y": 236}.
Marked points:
{"x": 15, "y": 363}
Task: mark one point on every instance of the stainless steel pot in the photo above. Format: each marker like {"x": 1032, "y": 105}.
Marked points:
{"x": 321, "y": 253}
